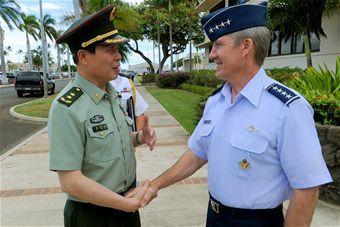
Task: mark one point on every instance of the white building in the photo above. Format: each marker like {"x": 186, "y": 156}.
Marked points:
{"x": 281, "y": 54}
{"x": 145, "y": 68}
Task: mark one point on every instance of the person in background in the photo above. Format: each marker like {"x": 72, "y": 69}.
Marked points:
{"x": 90, "y": 134}
{"x": 257, "y": 135}
{"x": 132, "y": 101}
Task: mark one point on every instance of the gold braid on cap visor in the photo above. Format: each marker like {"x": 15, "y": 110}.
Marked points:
{"x": 98, "y": 38}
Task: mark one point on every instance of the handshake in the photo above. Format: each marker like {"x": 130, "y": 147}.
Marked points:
{"x": 140, "y": 196}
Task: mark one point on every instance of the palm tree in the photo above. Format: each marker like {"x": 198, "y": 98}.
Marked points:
{"x": 59, "y": 51}
{"x": 30, "y": 26}
{"x": 19, "y": 52}
{"x": 50, "y": 31}
{"x": 300, "y": 18}
{"x": 49, "y": 24}
{"x": 9, "y": 13}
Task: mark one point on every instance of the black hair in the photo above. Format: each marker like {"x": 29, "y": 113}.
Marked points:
{"x": 91, "y": 49}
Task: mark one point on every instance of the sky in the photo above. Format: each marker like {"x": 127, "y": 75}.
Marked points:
{"x": 17, "y": 39}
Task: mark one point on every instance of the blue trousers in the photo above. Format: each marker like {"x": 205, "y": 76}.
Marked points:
{"x": 225, "y": 220}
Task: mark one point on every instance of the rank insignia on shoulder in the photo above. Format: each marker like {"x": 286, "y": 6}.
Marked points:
{"x": 99, "y": 128}
{"x": 71, "y": 96}
{"x": 217, "y": 90}
{"x": 282, "y": 93}
{"x": 97, "y": 119}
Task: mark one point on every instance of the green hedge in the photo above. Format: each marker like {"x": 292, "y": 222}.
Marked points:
{"x": 320, "y": 87}
{"x": 196, "y": 89}
{"x": 171, "y": 80}
{"x": 149, "y": 78}
{"x": 206, "y": 78}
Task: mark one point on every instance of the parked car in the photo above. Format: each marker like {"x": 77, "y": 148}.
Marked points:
{"x": 33, "y": 82}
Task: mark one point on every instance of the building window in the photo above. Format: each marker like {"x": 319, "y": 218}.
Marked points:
{"x": 293, "y": 45}
{"x": 236, "y": 2}
{"x": 220, "y": 5}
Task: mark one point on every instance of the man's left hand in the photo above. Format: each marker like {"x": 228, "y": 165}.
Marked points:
{"x": 149, "y": 135}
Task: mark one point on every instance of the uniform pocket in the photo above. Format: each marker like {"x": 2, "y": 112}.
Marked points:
{"x": 245, "y": 151}
{"x": 100, "y": 144}
{"x": 206, "y": 129}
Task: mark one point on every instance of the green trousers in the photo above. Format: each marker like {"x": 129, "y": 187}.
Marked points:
{"x": 77, "y": 214}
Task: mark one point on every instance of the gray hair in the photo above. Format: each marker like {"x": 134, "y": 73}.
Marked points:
{"x": 261, "y": 37}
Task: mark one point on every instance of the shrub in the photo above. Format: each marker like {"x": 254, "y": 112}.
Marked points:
{"x": 326, "y": 107}
{"x": 322, "y": 80}
{"x": 284, "y": 75}
{"x": 171, "y": 80}
{"x": 148, "y": 78}
{"x": 205, "y": 78}
{"x": 321, "y": 89}
{"x": 196, "y": 89}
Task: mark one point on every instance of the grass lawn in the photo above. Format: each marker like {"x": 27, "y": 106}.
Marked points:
{"x": 179, "y": 103}
{"x": 37, "y": 108}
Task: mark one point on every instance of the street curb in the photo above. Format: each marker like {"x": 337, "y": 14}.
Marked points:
{"x": 6, "y": 85}
{"x": 23, "y": 143}
{"x": 25, "y": 117}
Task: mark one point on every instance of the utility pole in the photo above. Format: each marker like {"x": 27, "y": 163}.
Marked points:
{"x": 171, "y": 58}
{"x": 44, "y": 50}
{"x": 159, "y": 45}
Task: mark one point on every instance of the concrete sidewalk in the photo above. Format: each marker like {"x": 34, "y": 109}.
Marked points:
{"x": 30, "y": 193}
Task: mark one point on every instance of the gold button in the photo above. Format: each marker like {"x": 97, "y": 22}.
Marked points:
{"x": 244, "y": 164}
{"x": 97, "y": 95}
{"x": 101, "y": 133}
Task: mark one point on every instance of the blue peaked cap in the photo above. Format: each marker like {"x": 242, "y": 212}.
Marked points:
{"x": 232, "y": 19}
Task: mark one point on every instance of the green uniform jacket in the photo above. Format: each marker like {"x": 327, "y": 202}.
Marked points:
{"x": 89, "y": 131}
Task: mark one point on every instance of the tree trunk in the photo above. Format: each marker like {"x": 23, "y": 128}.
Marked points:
{"x": 2, "y": 53}
{"x": 308, "y": 50}
{"x": 29, "y": 54}
{"x": 152, "y": 69}
{"x": 59, "y": 61}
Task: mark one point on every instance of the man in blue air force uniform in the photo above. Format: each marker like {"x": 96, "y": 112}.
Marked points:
{"x": 257, "y": 135}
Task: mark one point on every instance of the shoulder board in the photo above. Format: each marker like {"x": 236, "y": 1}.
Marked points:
{"x": 282, "y": 93}
{"x": 71, "y": 96}
{"x": 124, "y": 75}
{"x": 217, "y": 90}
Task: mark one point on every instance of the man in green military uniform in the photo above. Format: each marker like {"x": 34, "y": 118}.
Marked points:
{"x": 92, "y": 144}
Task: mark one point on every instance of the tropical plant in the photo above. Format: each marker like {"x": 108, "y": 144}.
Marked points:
{"x": 322, "y": 90}
{"x": 322, "y": 80}
{"x": 300, "y": 18}
{"x": 19, "y": 53}
{"x": 10, "y": 14}
{"x": 30, "y": 26}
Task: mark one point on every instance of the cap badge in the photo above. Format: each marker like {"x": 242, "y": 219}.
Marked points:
{"x": 113, "y": 14}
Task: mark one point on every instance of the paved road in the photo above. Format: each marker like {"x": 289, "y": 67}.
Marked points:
{"x": 13, "y": 131}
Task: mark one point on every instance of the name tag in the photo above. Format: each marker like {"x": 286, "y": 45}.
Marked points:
{"x": 99, "y": 128}
{"x": 206, "y": 121}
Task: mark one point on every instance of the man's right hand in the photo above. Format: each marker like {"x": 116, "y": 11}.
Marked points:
{"x": 150, "y": 194}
